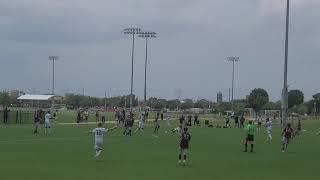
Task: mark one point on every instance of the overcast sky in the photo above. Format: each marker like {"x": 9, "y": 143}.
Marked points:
{"x": 194, "y": 37}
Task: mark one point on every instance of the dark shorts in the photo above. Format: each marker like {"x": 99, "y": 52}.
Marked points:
{"x": 184, "y": 146}
{"x": 250, "y": 137}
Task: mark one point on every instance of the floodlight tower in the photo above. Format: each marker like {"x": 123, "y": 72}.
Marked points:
{"x": 146, "y": 35}
{"x": 284, "y": 102}
{"x": 133, "y": 32}
{"x": 53, "y": 59}
{"x": 233, "y": 60}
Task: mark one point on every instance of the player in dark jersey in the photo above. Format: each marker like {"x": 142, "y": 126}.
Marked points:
{"x": 189, "y": 120}
{"x": 157, "y": 125}
{"x": 236, "y": 121}
{"x": 128, "y": 125}
{"x": 37, "y": 120}
{"x": 181, "y": 120}
{"x": 287, "y": 134}
{"x": 185, "y": 138}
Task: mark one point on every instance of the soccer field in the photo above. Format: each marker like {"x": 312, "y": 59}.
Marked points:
{"x": 214, "y": 154}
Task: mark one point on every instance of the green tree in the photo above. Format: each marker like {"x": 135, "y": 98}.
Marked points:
{"x": 202, "y": 103}
{"x": 173, "y": 104}
{"x": 301, "y": 109}
{"x": 257, "y": 99}
{"x": 223, "y": 107}
{"x": 272, "y": 105}
{"x": 239, "y": 107}
{"x": 295, "y": 97}
{"x": 187, "y": 104}
{"x": 4, "y": 99}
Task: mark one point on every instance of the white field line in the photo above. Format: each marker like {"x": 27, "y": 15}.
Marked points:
{"x": 107, "y": 138}
{"x": 38, "y": 139}
{"x": 107, "y": 122}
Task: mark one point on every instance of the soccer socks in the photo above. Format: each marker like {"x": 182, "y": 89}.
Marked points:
{"x": 251, "y": 147}
{"x": 180, "y": 156}
{"x": 156, "y": 129}
{"x": 246, "y": 147}
{"x": 185, "y": 157}
{"x": 270, "y": 137}
{"x": 98, "y": 152}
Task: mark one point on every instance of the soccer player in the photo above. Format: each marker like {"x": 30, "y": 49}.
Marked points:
{"x": 259, "y": 119}
{"x": 99, "y": 133}
{"x": 157, "y": 126}
{"x": 287, "y": 134}
{"x": 37, "y": 119}
{"x": 269, "y": 129}
{"x": 185, "y": 138}
{"x": 128, "y": 125}
{"x": 48, "y": 119}
{"x": 250, "y": 129}
{"x": 299, "y": 128}
{"x": 181, "y": 120}
{"x": 141, "y": 123}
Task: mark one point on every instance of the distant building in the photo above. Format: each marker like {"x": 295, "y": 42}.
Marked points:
{"x": 219, "y": 97}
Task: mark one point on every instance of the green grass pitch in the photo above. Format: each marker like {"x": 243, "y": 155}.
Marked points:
{"x": 214, "y": 154}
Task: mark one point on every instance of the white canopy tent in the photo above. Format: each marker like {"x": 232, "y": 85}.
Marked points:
{"x": 32, "y": 100}
{"x": 35, "y": 97}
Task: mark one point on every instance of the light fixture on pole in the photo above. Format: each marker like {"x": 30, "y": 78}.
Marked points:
{"x": 146, "y": 35}
{"x": 233, "y": 60}
{"x": 133, "y": 32}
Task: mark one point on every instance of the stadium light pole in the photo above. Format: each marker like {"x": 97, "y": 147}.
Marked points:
{"x": 53, "y": 59}
{"x": 284, "y": 103}
{"x": 233, "y": 60}
{"x": 146, "y": 35}
{"x": 133, "y": 32}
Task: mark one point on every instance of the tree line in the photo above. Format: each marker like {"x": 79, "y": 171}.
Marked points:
{"x": 258, "y": 99}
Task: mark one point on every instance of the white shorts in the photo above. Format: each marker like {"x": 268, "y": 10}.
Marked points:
{"x": 47, "y": 125}
{"x": 269, "y": 131}
{"x": 141, "y": 125}
{"x": 98, "y": 145}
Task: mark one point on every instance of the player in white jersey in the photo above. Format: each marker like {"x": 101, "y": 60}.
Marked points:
{"x": 141, "y": 123}
{"x": 269, "y": 129}
{"x": 48, "y": 119}
{"x": 99, "y": 133}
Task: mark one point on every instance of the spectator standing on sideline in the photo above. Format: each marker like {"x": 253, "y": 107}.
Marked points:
{"x": 242, "y": 120}
{"x": 161, "y": 115}
{"x": 37, "y": 119}
{"x": 195, "y": 122}
{"x": 236, "y": 121}
{"x": 97, "y": 116}
{"x": 5, "y": 115}
{"x": 189, "y": 120}
{"x": 78, "y": 116}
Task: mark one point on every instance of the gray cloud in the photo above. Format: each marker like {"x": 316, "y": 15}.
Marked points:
{"x": 194, "y": 38}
